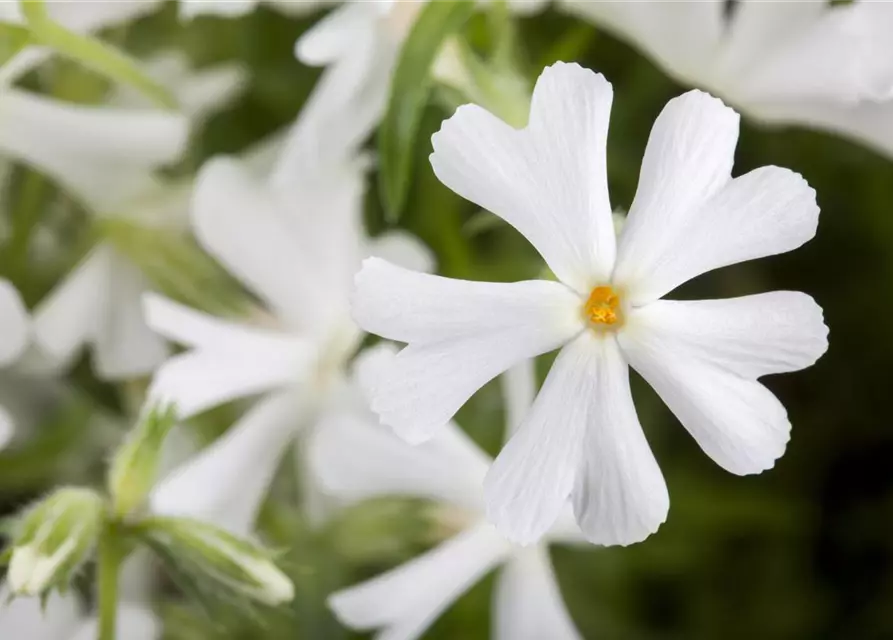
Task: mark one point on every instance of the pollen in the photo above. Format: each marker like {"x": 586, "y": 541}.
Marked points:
{"x": 602, "y": 309}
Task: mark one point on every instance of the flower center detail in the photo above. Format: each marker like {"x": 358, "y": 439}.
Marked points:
{"x": 602, "y": 309}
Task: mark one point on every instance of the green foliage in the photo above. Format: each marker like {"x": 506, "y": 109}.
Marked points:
{"x": 410, "y": 89}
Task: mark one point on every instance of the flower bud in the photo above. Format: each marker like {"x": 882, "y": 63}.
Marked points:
{"x": 52, "y": 539}
{"x": 135, "y": 464}
{"x": 217, "y": 561}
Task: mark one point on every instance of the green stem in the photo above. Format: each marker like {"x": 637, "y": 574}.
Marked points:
{"x": 109, "y": 563}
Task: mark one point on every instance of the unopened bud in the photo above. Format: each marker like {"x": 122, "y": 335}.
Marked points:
{"x": 135, "y": 464}
{"x": 53, "y": 539}
{"x": 217, "y": 560}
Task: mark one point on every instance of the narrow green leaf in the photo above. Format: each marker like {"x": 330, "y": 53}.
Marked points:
{"x": 92, "y": 53}
{"x": 410, "y": 89}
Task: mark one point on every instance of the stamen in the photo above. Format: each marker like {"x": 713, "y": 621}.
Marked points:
{"x": 602, "y": 308}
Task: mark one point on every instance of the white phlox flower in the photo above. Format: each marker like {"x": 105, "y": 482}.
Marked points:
{"x": 357, "y": 459}
{"x": 82, "y": 16}
{"x": 293, "y": 236}
{"x": 107, "y": 157}
{"x": 808, "y": 63}
{"x": 582, "y": 438}
{"x": 63, "y": 618}
{"x": 15, "y": 333}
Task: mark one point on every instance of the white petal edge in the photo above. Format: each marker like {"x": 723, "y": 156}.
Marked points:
{"x": 527, "y": 601}
{"x": 461, "y": 335}
{"x": 689, "y": 218}
{"x": 405, "y": 601}
{"x": 518, "y": 393}
{"x": 709, "y": 381}
{"x": 15, "y": 323}
{"x": 190, "y": 9}
{"x": 403, "y": 249}
{"x": 225, "y": 483}
{"x": 25, "y": 618}
{"x": 549, "y": 181}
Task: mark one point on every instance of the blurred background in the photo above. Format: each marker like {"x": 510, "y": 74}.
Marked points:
{"x": 802, "y": 551}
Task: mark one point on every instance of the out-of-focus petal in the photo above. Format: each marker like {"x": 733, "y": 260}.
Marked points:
{"x": 527, "y": 601}
{"x": 25, "y": 618}
{"x": 405, "y": 601}
{"x": 225, "y": 483}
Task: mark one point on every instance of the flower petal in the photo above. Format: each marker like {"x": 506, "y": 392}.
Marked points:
{"x": 461, "y": 335}
{"x": 584, "y": 406}
{"x": 125, "y": 345}
{"x": 682, "y": 36}
{"x": 100, "y": 153}
{"x": 241, "y": 223}
{"x": 837, "y": 56}
{"x": 527, "y": 601}
{"x": 355, "y": 460}
{"x": 225, "y": 483}
{"x": 688, "y": 217}
{"x": 549, "y": 180}
{"x": 619, "y": 496}
{"x": 14, "y": 324}
{"x": 69, "y": 317}
{"x": 230, "y": 360}
{"x": 406, "y": 600}
{"x": 703, "y": 359}
{"x": 334, "y": 35}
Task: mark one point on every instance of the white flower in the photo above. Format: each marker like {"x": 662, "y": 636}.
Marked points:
{"x": 356, "y": 459}
{"x": 294, "y": 238}
{"x": 106, "y": 156}
{"x": 14, "y": 337}
{"x": 688, "y": 217}
{"x": 809, "y": 63}
{"x": 62, "y": 618}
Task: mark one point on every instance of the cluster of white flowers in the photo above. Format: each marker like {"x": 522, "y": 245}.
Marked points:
{"x": 286, "y": 221}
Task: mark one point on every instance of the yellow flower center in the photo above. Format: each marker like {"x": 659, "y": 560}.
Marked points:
{"x": 602, "y": 309}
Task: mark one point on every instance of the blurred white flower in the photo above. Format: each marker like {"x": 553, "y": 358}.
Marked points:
{"x": 62, "y": 618}
{"x": 106, "y": 156}
{"x": 14, "y": 337}
{"x": 808, "y": 63}
{"x": 83, "y": 16}
{"x": 356, "y": 459}
{"x": 688, "y": 217}
{"x": 293, "y": 236}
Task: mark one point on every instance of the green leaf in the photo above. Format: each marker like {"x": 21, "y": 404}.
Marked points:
{"x": 410, "y": 89}
{"x": 92, "y": 53}
{"x": 13, "y": 38}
